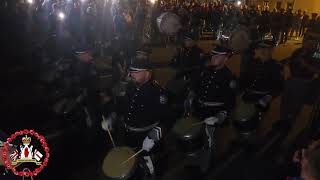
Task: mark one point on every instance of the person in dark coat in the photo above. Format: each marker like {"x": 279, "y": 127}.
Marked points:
{"x": 304, "y": 24}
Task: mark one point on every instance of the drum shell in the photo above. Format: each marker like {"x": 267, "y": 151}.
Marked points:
{"x": 246, "y": 118}
{"x": 191, "y": 142}
{"x": 246, "y": 126}
{"x": 191, "y": 145}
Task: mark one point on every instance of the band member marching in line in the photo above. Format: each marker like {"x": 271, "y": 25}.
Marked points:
{"x": 262, "y": 82}
{"x": 264, "y": 79}
{"x": 187, "y": 57}
{"x": 143, "y": 114}
{"x": 213, "y": 95}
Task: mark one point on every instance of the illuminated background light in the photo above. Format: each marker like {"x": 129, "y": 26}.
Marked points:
{"x": 152, "y": 1}
{"x": 61, "y": 15}
{"x": 30, "y": 1}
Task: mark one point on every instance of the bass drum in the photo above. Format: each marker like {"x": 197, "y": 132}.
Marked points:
{"x": 189, "y": 133}
{"x": 112, "y": 167}
{"x": 169, "y": 23}
{"x": 246, "y": 118}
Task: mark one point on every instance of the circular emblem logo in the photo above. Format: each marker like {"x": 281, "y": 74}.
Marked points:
{"x": 28, "y": 154}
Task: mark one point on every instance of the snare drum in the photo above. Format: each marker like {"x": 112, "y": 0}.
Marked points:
{"x": 189, "y": 134}
{"x": 112, "y": 166}
{"x": 246, "y": 118}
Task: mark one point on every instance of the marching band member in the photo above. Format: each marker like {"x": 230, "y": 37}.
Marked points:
{"x": 264, "y": 79}
{"x": 213, "y": 94}
{"x": 145, "y": 113}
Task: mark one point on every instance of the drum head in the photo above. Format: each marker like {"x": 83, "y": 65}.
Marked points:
{"x": 112, "y": 164}
{"x": 188, "y": 128}
{"x": 169, "y": 23}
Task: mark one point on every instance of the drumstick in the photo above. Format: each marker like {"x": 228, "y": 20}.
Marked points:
{"x": 114, "y": 145}
{"x": 198, "y": 123}
{"x": 132, "y": 156}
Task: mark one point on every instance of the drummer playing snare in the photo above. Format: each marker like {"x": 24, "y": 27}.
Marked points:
{"x": 264, "y": 79}
{"x": 145, "y": 113}
{"x": 213, "y": 95}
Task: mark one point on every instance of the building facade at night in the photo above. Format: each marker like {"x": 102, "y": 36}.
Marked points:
{"x": 311, "y": 6}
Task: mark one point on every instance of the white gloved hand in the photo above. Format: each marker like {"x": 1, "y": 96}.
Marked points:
{"x": 264, "y": 102}
{"x": 106, "y": 123}
{"x": 148, "y": 144}
{"x": 211, "y": 121}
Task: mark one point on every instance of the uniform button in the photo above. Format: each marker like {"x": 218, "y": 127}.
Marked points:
{"x": 206, "y": 92}
{"x": 131, "y": 107}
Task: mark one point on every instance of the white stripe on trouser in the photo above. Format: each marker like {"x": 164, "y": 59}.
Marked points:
{"x": 159, "y": 132}
{"x": 149, "y": 164}
{"x": 210, "y": 131}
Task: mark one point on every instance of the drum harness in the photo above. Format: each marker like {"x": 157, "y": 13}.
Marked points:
{"x": 257, "y": 92}
{"x": 143, "y": 129}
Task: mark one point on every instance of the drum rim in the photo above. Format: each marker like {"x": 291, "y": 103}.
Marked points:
{"x": 130, "y": 173}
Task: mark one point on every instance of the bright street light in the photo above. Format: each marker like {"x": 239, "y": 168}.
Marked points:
{"x": 238, "y": 3}
{"x": 30, "y": 1}
{"x": 61, "y": 15}
{"x": 152, "y": 1}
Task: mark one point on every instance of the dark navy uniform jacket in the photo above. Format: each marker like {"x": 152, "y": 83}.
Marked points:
{"x": 215, "y": 91}
{"x": 262, "y": 78}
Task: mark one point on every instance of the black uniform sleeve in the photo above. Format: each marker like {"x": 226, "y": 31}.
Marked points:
{"x": 278, "y": 80}
{"x": 195, "y": 79}
{"x": 231, "y": 92}
{"x": 246, "y": 78}
{"x": 162, "y": 112}
{"x": 175, "y": 61}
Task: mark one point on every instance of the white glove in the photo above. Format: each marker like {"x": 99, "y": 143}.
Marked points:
{"x": 106, "y": 123}
{"x": 211, "y": 121}
{"x": 264, "y": 102}
{"x": 148, "y": 144}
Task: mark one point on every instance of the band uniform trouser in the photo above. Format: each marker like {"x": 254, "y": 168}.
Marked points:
{"x": 293, "y": 98}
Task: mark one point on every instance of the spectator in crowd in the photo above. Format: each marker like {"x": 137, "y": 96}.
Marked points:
{"x": 308, "y": 163}
{"x": 304, "y": 23}
{"x": 313, "y": 20}
{"x": 286, "y": 24}
{"x": 276, "y": 25}
{"x": 296, "y": 24}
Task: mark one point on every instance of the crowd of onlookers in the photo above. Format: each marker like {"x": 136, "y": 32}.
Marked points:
{"x": 90, "y": 21}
